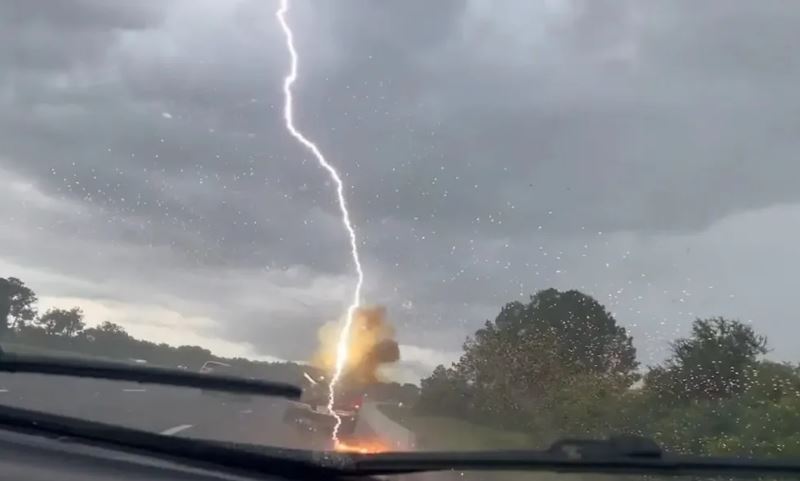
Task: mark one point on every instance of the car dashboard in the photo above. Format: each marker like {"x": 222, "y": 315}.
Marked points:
{"x": 26, "y": 457}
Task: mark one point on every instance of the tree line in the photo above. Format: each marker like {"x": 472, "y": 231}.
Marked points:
{"x": 560, "y": 366}
{"x": 64, "y": 331}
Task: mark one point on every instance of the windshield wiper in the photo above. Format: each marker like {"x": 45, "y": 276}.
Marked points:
{"x": 616, "y": 455}
{"x": 622, "y": 455}
{"x": 282, "y": 462}
{"x": 630, "y": 455}
{"x": 57, "y": 366}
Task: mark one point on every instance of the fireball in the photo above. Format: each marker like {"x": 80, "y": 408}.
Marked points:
{"x": 372, "y": 344}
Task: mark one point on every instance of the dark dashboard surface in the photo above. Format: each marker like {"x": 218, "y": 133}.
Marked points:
{"x": 37, "y": 458}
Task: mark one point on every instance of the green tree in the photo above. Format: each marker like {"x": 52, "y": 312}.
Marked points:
{"x": 772, "y": 381}
{"x": 62, "y": 322}
{"x": 107, "y": 330}
{"x": 518, "y": 369}
{"x": 716, "y": 361}
{"x": 444, "y": 392}
{"x": 194, "y": 356}
{"x": 584, "y": 336}
{"x": 109, "y": 337}
{"x": 17, "y": 303}
{"x": 715, "y": 396}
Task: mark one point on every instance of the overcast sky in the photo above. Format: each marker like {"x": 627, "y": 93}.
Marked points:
{"x": 644, "y": 152}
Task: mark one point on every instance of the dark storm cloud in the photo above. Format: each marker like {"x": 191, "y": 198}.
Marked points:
{"x": 600, "y": 126}
{"x": 487, "y": 151}
{"x": 81, "y": 15}
{"x": 61, "y": 35}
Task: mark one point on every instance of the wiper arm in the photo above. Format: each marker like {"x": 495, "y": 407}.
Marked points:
{"x": 616, "y": 455}
{"x": 623, "y": 455}
{"x": 57, "y": 366}
{"x": 282, "y": 462}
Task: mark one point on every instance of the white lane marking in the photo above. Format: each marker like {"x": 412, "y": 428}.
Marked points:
{"x": 246, "y": 411}
{"x": 176, "y": 429}
{"x": 3, "y": 390}
{"x": 138, "y": 389}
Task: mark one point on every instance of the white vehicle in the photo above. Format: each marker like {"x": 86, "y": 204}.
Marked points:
{"x": 216, "y": 367}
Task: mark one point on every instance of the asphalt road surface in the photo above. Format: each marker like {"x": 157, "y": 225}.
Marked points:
{"x": 172, "y": 411}
{"x": 163, "y": 409}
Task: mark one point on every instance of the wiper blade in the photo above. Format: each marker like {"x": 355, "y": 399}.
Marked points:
{"x": 623, "y": 455}
{"x": 616, "y": 455}
{"x": 283, "y": 462}
{"x": 57, "y": 366}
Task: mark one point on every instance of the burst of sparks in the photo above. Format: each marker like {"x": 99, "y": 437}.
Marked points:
{"x": 288, "y": 114}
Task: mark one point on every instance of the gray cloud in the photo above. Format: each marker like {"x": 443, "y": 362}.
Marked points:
{"x": 488, "y": 152}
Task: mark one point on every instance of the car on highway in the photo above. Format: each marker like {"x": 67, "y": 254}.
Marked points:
{"x": 217, "y": 367}
{"x": 209, "y": 367}
{"x": 311, "y": 412}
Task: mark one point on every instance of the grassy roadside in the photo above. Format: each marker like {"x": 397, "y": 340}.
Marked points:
{"x": 435, "y": 432}
{"x": 450, "y": 434}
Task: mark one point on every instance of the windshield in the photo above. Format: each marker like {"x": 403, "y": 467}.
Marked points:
{"x": 457, "y": 225}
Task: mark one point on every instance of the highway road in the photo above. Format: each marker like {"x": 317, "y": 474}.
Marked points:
{"x": 163, "y": 409}
{"x": 171, "y": 411}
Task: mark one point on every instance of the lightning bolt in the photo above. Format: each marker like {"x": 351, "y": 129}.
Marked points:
{"x": 288, "y": 114}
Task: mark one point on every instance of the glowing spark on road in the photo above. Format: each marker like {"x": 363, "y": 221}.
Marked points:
{"x": 288, "y": 114}
{"x": 362, "y": 448}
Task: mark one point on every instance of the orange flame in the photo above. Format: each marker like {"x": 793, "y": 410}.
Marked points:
{"x": 371, "y": 346}
{"x": 372, "y": 447}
